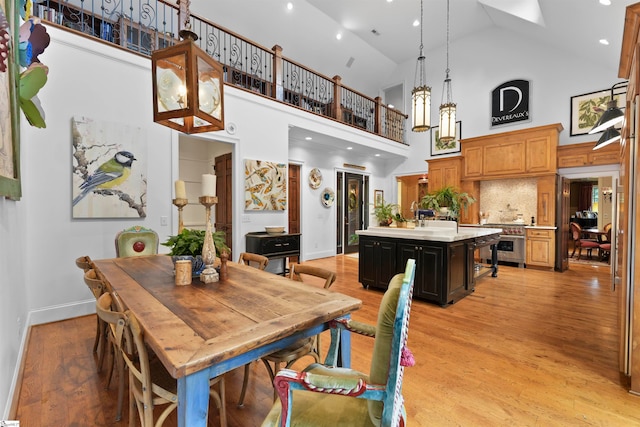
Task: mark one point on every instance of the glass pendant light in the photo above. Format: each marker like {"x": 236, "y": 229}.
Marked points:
{"x": 447, "y": 107}
{"x": 421, "y": 93}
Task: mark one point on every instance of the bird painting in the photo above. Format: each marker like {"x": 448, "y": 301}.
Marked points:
{"x": 110, "y": 174}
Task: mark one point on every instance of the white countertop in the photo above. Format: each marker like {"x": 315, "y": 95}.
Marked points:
{"x": 532, "y": 227}
{"x": 436, "y": 231}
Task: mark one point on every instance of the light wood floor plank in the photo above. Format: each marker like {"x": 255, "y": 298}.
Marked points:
{"x": 528, "y": 348}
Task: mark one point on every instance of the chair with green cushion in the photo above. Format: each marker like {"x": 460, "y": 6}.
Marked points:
{"x": 325, "y": 395}
{"x": 135, "y": 241}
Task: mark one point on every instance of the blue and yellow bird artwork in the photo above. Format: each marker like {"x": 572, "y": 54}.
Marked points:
{"x": 110, "y": 174}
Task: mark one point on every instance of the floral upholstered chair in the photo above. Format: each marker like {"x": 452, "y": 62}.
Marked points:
{"x": 325, "y": 395}
{"x": 135, "y": 241}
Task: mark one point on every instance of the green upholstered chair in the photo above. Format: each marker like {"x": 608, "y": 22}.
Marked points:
{"x": 325, "y": 395}
{"x": 135, "y": 241}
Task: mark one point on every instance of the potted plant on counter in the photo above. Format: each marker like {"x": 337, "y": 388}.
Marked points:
{"x": 384, "y": 213}
{"x": 401, "y": 221}
{"x": 447, "y": 197}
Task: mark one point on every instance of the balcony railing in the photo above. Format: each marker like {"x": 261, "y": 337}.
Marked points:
{"x": 144, "y": 26}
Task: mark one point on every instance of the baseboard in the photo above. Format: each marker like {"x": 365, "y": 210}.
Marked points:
{"x": 56, "y": 313}
{"x": 316, "y": 255}
{"x": 44, "y": 315}
{"x": 16, "y": 384}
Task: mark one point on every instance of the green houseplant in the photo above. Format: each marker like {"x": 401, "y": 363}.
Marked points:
{"x": 447, "y": 197}
{"x": 384, "y": 212}
{"x": 188, "y": 245}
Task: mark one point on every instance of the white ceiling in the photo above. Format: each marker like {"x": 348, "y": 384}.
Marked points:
{"x": 572, "y": 25}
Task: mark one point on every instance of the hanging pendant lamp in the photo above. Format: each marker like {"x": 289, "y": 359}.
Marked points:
{"x": 421, "y": 93}
{"x": 609, "y": 136}
{"x": 447, "y": 106}
{"x": 188, "y": 84}
{"x": 612, "y": 116}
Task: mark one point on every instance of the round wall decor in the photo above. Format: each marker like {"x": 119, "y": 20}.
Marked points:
{"x": 315, "y": 178}
{"x": 327, "y": 197}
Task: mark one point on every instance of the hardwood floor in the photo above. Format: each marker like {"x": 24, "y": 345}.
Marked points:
{"x": 528, "y": 348}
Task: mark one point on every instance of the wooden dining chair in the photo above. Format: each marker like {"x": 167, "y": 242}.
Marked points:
{"x": 326, "y": 395}
{"x": 135, "y": 241}
{"x": 150, "y": 385}
{"x": 605, "y": 244}
{"x": 254, "y": 260}
{"x": 579, "y": 242}
{"x": 304, "y": 347}
{"x": 97, "y": 288}
{"x": 83, "y": 262}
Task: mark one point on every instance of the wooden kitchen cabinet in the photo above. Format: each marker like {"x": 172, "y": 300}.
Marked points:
{"x": 578, "y": 155}
{"x": 444, "y": 172}
{"x": 547, "y": 200}
{"x": 527, "y": 152}
{"x": 376, "y": 262}
{"x": 541, "y": 248}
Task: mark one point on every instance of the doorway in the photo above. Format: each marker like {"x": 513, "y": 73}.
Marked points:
{"x": 351, "y": 210}
{"x": 591, "y": 204}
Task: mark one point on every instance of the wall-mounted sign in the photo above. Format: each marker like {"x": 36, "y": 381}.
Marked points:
{"x": 510, "y": 103}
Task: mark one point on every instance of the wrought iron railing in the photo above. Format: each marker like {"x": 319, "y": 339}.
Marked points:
{"x": 143, "y": 26}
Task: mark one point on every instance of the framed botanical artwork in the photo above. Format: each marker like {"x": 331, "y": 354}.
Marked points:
{"x": 439, "y": 147}
{"x": 9, "y": 110}
{"x": 378, "y": 198}
{"x": 265, "y": 186}
{"x": 587, "y": 108}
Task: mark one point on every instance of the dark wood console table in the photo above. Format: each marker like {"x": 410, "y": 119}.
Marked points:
{"x": 274, "y": 246}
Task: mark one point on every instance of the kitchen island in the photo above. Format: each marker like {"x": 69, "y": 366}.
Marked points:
{"x": 445, "y": 267}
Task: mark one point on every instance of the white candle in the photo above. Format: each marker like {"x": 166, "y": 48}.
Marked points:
{"x": 208, "y": 185}
{"x": 181, "y": 191}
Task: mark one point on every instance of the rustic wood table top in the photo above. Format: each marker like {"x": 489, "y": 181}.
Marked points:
{"x": 202, "y": 330}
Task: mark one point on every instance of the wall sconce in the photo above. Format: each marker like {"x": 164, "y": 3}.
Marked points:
{"x": 607, "y": 193}
{"x": 187, "y": 86}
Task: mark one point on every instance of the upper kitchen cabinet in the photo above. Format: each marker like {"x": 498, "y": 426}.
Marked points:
{"x": 526, "y": 152}
{"x": 578, "y": 155}
{"x": 444, "y": 172}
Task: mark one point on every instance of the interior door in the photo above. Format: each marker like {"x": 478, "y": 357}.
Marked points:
{"x": 294, "y": 202}
{"x": 353, "y": 211}
{"x": 224, "y": 216}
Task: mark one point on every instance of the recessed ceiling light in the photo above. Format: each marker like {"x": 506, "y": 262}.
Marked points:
{"x": 339, "y": 36}
{"x": 605, "y": 2}
{"x": 391, "y": 106}
{"x": 308, "y": 138}
{"x": 604, "y": 42}
{"x": 349, "y": 148}
{"x": 416, "y": 23}
{"x": 378, "y": 155}
{"x": 289, "y": 6}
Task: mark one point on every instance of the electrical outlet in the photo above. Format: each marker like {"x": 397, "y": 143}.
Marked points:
{"x": 164, "y": 221}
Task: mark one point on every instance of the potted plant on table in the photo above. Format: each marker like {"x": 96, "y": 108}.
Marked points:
{"x": 401, "y": 221}
{"x": 188, "y": 245}
{"x": 447, "y": 197}
{"x": 384, "y": 212}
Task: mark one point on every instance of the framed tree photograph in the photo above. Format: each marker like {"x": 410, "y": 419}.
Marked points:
{"x": 378, "y": 198}
{"x": 9, "y": 111}
{"x": 439, "y": 147}
{"x": 587, "y": 108}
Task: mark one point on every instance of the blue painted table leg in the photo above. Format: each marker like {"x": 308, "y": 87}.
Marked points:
{"x": 344, "y": 358}
{"x": 193, "y": 399}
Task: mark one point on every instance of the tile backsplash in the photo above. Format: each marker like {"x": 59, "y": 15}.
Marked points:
{"x": 504, "y": 199}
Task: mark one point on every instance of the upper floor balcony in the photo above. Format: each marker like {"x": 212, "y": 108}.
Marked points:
{"x": 142, "y": 26}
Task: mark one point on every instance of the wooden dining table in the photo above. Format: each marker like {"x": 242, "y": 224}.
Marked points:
{"x": 201, "y": 331}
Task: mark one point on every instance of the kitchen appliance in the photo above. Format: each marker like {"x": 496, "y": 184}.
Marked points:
{"x": 511, "y": 247}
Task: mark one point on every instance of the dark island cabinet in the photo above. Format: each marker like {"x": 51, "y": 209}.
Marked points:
{"x": 442, "y": 268}
{"x": 377, "y": 262}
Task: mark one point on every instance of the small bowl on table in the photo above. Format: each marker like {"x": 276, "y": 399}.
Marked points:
{"x": 274, "y": 229}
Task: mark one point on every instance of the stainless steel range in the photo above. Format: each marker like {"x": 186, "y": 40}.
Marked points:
{"x": 511, "y": 247}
